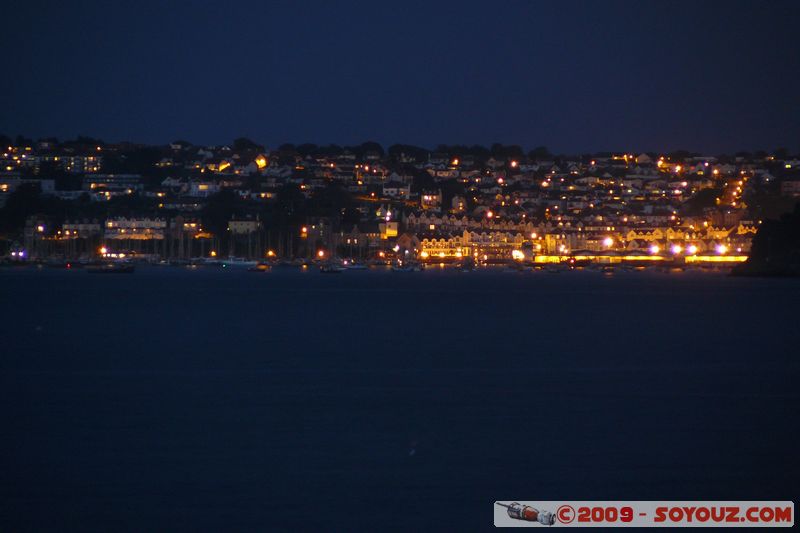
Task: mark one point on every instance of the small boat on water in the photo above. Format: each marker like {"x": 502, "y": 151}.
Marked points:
{"x": 351, "y": 265}
{"x": 467, "y": 265}
{"x": 62, "y": 264}
{"x": 514, "y": 267}
{"x": 111, "y": 268}
{"x": 293, "y": 263}
{"x": 407, "y": 266}
{"x": 331, "y": 269}
{"x": 260, "y": 267}
{"x": 239, "y": 262}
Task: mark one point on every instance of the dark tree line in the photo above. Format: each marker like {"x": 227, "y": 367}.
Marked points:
{"x": 776, "y": 248}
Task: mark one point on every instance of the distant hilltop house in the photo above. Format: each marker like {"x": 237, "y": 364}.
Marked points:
{"x": 244, "y": 226}
{"x": 82, "y": 228}
{"x": 202, "y": 189}
{"x": 431, "y": 200}
{"x": 396, "y": 189}
{"x": 9, "y": 184}
{"x": 114, "y": 183}
{"x": 791, "y": 188}
{"x": 458, "y": 204}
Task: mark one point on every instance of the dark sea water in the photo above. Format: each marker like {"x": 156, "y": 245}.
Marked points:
{"x": 211, "y": 400}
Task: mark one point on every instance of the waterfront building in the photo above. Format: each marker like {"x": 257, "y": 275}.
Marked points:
{"x": 135, "y": 228}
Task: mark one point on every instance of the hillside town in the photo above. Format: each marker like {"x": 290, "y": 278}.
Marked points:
{"x": 86, "y": 199}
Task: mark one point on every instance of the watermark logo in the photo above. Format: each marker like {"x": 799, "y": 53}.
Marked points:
{"x": 517, "y": 511}
{"x": 644, "y": 514}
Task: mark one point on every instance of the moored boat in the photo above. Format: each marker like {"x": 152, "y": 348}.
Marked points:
{"x": 331, "y": 269}
{"x": 350, "y": 265}
{"x": 407, "y": 266}
{"x": 111, "y": 268}
{"x": 260, "y": 267}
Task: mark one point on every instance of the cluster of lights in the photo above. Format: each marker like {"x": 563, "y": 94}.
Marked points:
{"x": 106, "y": 253}
{"x": 691, "y": 249}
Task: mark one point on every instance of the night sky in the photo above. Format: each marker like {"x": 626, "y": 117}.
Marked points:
{"x": 573, "y": 76}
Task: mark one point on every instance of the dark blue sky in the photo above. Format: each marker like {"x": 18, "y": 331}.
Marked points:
{"x": 574, "y": 76}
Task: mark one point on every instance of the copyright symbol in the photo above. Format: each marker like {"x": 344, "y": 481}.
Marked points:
{"x": 565, "y": 514}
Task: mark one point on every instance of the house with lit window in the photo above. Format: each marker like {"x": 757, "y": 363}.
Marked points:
{"x": 396, "y": 189}
{"x": 431, "y": 200}
{"x": 127, "y": 183}
{"x": 244, "y": 226}
{"x": 202, "y": 189}
{"x": 136, "y": 228}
